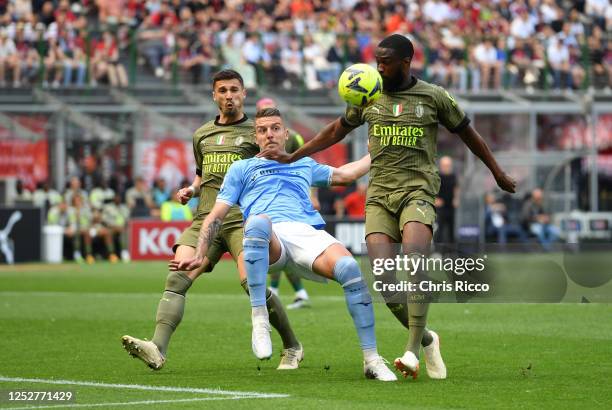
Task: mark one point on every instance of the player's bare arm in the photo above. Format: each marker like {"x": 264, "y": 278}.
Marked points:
{"x": 329, "y": 135}
{"x": 209, "y": 230}
{"x": 349, "y": 173}
{"x": 185, "y": 194}
{"x": 479, "y": 147}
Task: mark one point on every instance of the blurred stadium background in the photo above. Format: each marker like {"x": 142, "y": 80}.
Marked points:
{"x": 105, "y": 92}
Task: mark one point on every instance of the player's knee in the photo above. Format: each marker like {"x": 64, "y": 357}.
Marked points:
{"x": 178, "y": 282}
{"x": 348, "y": 274}
{"x": 346, "y": 271}
{"x": 258, "y": 227}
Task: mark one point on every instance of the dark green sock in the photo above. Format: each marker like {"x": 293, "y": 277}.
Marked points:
{"x": 400, "y": 311}
{"x": 295, "y": 281}
{"x": 169, "y": 315}
{"x": 278, "y": 317}
{"x": 417, "y": 319}
{"x": 170, "y": 309}
{"x": 275, "y": 279}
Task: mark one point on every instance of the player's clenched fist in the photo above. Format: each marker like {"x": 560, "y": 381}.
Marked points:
{"x": 185, "y": 194}
{"x": 506, "y": 182}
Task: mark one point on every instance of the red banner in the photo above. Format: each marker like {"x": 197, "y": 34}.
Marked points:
{"x": 153, "y": 240}
{"x": 25, "y": 160}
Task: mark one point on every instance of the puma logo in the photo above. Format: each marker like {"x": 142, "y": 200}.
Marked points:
{"x": 421, "y": 211}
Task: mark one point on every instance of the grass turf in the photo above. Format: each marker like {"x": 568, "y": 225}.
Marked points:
{"x": 65, "y": 322}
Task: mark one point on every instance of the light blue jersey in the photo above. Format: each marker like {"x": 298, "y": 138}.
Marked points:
{"x": 281, "y": 191}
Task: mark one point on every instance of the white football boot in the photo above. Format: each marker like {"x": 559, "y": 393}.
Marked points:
{"x": 377, "y": 369}
{"x": 436, "y": 369}
{"x": 260, "y": 338}
{"x": 408, "y": 364}
{"x": 291, "y": 358}
{"x": 144, "y": 350}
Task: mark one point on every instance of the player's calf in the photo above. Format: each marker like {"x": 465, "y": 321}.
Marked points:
{"x": 256, "y": 244}
{"x": 359, "y": 303}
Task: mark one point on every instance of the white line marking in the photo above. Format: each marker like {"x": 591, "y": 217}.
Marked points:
{"x": 130, "y": 403}
{"x": 144, "y": 387}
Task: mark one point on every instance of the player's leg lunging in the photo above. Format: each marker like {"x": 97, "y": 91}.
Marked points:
{"x": 257, "y": 233}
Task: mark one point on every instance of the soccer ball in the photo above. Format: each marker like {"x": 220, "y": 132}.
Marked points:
{"x": 360, "y": 84}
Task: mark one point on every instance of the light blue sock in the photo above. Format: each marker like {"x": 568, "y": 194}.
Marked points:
{"x": 358, "y": 300}
{"x": 256, "y": 244}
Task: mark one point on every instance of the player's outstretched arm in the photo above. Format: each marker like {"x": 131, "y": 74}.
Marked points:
{"x": 209, "y": 230}
{"x": 329, "y": 135}
{"x": 479, "y": 147}
{"x": 185, "y": 194}
{"x": 349, "y": 173}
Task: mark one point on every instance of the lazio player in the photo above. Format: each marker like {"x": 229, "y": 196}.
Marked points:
{"x": 403, "y": 183}
{"x": 294, "y": 141}
{"x": 283, "y": 230}
{"x": 216, "y": 145}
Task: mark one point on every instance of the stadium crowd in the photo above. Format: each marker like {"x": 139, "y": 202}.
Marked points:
{"x": 97, "y": 218}
{"x": 460, "y": 44}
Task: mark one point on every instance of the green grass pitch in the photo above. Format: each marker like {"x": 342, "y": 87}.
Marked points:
{"x": 64, "y": 323}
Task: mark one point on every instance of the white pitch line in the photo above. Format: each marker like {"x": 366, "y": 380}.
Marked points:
{"x": 145, "y": 387}
{"x": 131, "y": 403}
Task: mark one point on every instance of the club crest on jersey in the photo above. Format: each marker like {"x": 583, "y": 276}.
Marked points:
{"x": 220, "y": 139}
{"x": 397, "y": 109}
{"x": 239, "y": 141}
{"x": 419, "y": 110}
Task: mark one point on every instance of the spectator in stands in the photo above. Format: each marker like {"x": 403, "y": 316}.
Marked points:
{"x": 99, "y": 232}
{"x": 498, "y": 223}
{"x": 354, "y": 203}
{"x": 54, "y": 63}
{"x": 74, "y": 188}
{"x": 154, "y": 41}
{"x": 538, "y": 219}
{"x": 522, "y": 25}
{"x": 115, "y": 216}
{"x": 446, "y": 202}
{"x": 599, "y": 73}
{"x": 577, "y": 72}
{"x": 139, "y": 200}
{"x": 75, "y": 60}
{"x": 316, "y": 66}
{"x": 254, "y": 53}
{"x": 559, "y": 61}
{"x": 27, "y": 56}
{"x": 206, "y": 56}
{"x": 520, "y": 63}
{"x": 81, "y": 219}
{"x": 173, "y": 210}
{"x": 46, "y": 15}
{"x": 160, "y": 192}
{"x": 23, "y": 193}
{"x": 100, "y": 194}
{"x": 107, "y": 61}
{"x": 353, "y": 51}
{"x": 489, "y": 66}
{"x": 62, "y": 215}
{"x": 45, "y": 197}
{"x": 596, "y": 9}
{"x": 336, "y": 53}
{"x": 184, "y": 57}
{"x": 9, "y": 59}
{"x": 292, "y": 60}
{"x": 231, "y": 51}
